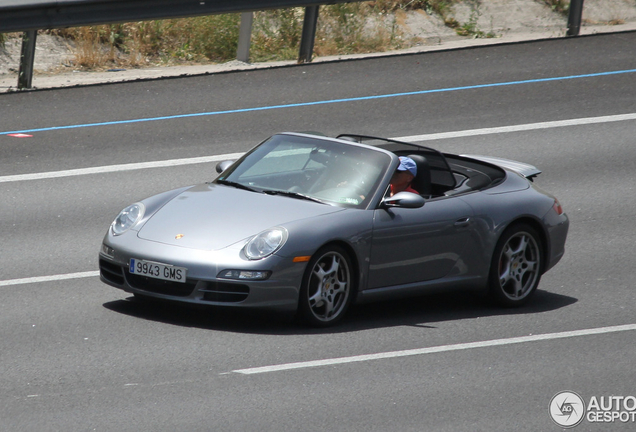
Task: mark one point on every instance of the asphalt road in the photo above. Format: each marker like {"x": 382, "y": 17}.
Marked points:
{"x": 78, "y": 355}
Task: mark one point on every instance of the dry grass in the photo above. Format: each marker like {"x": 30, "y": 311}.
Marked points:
{"x": 345, "y": 28}
{"x": 342, "y": 29}
{"x": 212, "y": 38}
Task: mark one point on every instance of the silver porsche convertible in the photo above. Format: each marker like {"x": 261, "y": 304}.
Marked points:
{"x": 307, "y": 224}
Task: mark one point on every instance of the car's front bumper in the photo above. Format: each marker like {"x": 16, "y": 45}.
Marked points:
{"x": 202, "y": 285}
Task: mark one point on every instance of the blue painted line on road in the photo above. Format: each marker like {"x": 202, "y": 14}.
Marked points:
{"x": 326, "y": 102}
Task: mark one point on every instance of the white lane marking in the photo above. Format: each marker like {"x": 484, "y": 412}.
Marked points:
{"x": 119, "y": 168}
{"x": 414, "y": 138}
{"x": 520, "y": 128}
{"x": 39, "y": 279}
{"x": 431, "y": 350}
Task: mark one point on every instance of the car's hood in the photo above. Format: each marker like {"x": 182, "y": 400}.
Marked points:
{"x": 212, "y": 217}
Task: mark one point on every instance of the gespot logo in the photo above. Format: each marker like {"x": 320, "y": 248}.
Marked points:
{"x": 567, "y": 409}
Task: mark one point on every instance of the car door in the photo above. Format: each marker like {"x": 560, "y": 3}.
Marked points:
{"x": 414, "y": 245}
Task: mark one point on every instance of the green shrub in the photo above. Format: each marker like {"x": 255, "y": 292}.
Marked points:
{"x": 561, "y": 6}
{"x": 213, "y": 37}
{"x": 276, "y": 34}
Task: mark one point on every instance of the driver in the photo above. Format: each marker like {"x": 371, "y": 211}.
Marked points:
{"x": 403, "y": 176}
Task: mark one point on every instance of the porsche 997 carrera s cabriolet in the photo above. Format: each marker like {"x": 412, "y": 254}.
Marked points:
{"x": 308, "y": 224}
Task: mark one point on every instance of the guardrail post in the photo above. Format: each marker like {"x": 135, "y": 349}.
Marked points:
{"x": 309, "y": 34}
{"x": 245, "y": 37}
{"x": 574, "y": 18}
{"x": 27, "y": 56}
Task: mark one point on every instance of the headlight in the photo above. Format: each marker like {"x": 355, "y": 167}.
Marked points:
{"x": 127, "y": 218}
{"x": 265, "y": 243}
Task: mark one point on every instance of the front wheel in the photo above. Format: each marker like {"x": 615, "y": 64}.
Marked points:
{"x": 515, "y": 270}
{"x": 327, "y": 287}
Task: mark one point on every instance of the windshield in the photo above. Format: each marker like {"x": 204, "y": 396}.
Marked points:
{"x": 305, "y": 167}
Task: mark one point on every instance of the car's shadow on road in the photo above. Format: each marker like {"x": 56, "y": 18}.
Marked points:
{"x": 422, "y": 311}
{"x": 425, "y": 311}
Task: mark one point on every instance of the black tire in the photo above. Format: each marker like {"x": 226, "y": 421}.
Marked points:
{"x": 327, "y": 287}
{"x": 516, "y": 267}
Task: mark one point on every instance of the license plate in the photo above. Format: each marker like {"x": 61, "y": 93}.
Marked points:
{"x": 158, "y": 271}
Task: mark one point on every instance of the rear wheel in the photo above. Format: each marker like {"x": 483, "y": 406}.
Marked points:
{"x": 327, "y": 287}
{"x": 516, "y": 265}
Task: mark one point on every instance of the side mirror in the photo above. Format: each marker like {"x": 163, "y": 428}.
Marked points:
{"x": 222, "y": 166}
{"x": 403, "y": 200}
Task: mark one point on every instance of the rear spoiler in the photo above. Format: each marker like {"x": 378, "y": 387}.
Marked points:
{"x": 526, "y": 170}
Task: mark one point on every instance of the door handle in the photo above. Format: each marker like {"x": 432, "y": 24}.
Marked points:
{"x": 463, "y": 222}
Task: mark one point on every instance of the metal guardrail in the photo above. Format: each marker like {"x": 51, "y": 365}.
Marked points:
{"x": 574, "y": 17}
{"x": 23, "y": 15}
{"x": 28, "y": 16}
